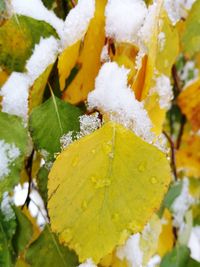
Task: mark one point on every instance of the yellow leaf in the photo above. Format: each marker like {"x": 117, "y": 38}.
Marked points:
{"x": 89, "y": 60}
{"x": 67, "y": 61}
{"x": 188, "y": 156}
{"x": 166, "y": 238}
{"x": 3, "y": 77}
{"x": 160, "y": 55}
{"x": 189, "y": 102}
{"x": 37, "y": 90}
{"x": 149, "y": 238}
{"x": 96, "y": 186}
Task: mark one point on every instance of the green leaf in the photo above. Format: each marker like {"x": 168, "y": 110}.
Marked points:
{"x": 193, "y": 263}
{"x": 172, "y": 194}
{"x": 42, "y": 179}
{"x": 104, "y": 187}
{"x": 46, "y": 251}
{"x": 7, "y": 230}
{"x": 49, "y": 121}
{"x": 18, "y": 37}
{"x": 191, "y": 34}
{"x": 2, "y": 6}
{"x": 12, "y": 131}
{"x": 24, "y": 231}
{"x": 178, "y": 257}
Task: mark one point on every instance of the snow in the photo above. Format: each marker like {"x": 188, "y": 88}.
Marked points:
{"x": 15, "y": 91}
{"x": 77, "y": 22}
{"x": 88, "y": 124}
{"x": 6, "y": 207}
{"x": 154, "y": 261}
{"x": 181, "y": 205}
{"x": 44, "y": 54}
{"x": 188, "y": 68}
{"x": 146, "y": 30}
{"x": 66, "y": 140}
{"x": 114, "y": 98}
{"x": 124, "y": 18}
{"x": 15, "y": 94}
{"x": 161, "y": 40}
{"x": 104, "y": 54}
{"x": 87, "y": 263}
{"x": 194, "y": 243}
{"x": 131, "y": 251}
{"x": 164, "y": 90}
{"x": 35, "y": 9}
{"x": 177, "y": 9}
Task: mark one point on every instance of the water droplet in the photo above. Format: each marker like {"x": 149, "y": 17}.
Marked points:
{"x": 84, "y": 205}
{"x": 75, "y": 162}
{"x": 111, "y": 155}
{"x": 93, "y": 151}
{"x": 66, "y": 235}
{"x": 134, "y": 226}
{"x": 99, "y": 182}
{"x": 141, "y": 167}
{"x": 153, "y": 180}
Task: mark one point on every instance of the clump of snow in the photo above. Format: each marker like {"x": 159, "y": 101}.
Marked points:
{"x": 66, "y": 140}
{"x": 164, "y": 90}
{"x": 104, "y": 54}
{"x": 6, "y": 207}
{"x": 138, "y": 59}
{"x": 77, "y": 22}
{"x": 189, "y": 72}
{"x": 131, "y": 251}
{"x": 15, "y": 94}
{"x": 161, "y": 143}
{"x": 88, "y": 124}
{"x": 113, "y": 97}
{"x": 87, "y": 263}
{"x": 177, "y": 9}
{"x": 8, "y": 153}
{"x": 181, "y": 205}
{"x": 194, "y": 243}
{"x": 124, "y": 18}
{"x": 37, "y": 10}
{"x": 154, "y": 261}
{"x": 161, "y": 40}
{"x": 44, "y": 54}
{"x": 146, "y": 30}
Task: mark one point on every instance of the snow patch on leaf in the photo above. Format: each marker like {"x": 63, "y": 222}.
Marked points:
{"x": 87, "y": 263}
{"x": 44, "y": 54}
{"x": 77, "y": 22}
{"x": 181, "y": 205}
{"x": 114, "y": 98}
{"x": 35, "y": 9}
{"x": 131, "y": 251}
{"x": 124, "y": 14}
{"x": 8, "y": 153}
{"x": 15, "y": 94}
{"x": 177, "y": 9}
{"x": 6, "y": 207}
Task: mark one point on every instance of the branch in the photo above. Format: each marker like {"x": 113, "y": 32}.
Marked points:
{"x": 176, "y": 79}
{"x": 28, "y": 168}
{"x": 181, "y": 130}
{"x": 173, "y": 159}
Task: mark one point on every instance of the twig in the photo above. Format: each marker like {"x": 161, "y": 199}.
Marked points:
{"x": 181, "y": 130}
{"x": 176, "y": 79}
{"x": 73, "y": 3}
{"x": 28, "y": 168}
{"x": 173, "y": 159}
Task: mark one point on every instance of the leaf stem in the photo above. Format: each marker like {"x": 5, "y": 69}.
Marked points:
{"x": 173, "y": 158}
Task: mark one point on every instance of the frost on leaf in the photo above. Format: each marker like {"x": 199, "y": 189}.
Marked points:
{"x": 8, "y": 154}
{"x": 98, "y": 176}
